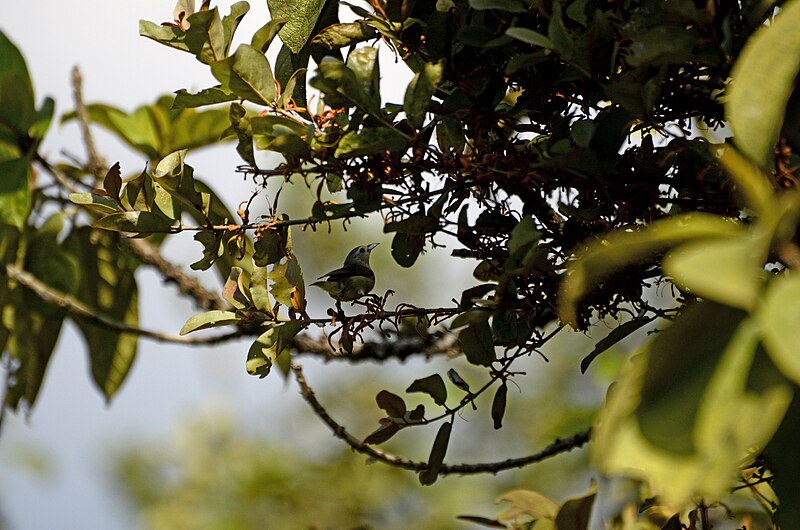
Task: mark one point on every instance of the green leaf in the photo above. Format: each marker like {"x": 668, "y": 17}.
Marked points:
{"x": 99, "y": 203}
{"x": 343, "y": 35}
{"x": 617, "y": 334}
{"x": 15, "y": 192}
{"x": 138, "y": 129}
{"x": 418, "y": 95}
{"x": 383, "y": 433}
{"x": 414, "y": 224}
{"x": 779, "y": 319}
{"x": 265, "y": 350}
{"x": 433, "y": 385}
{"x": 108, "y": 286}
{"x": 530, "y": 37}
{"x": 30, "y": 345}
{"x": 363, "y": 62}
{"x": 248, "y": 74}
{"x": 728, "y": 270}
{"x": 301, "y": 17}
{"x": 665, "y": 417}
{"x": 207, "y": 38}
{"x": 340, "y": 86}
{"x": 207, "y": 96}
{"x": 210, "y": 319}
{"x": 44, "y": 117}
{"x": 16, "y": 90}
{"x": 622, "y": 248}
{"x": 370, "y": 142}
{"x": 266, "y": 34}
{"x": 288, "y": 286}
{"x": 477, "y": 344}
{"x": 523, "y": 236}
{"x": 406, "y": 248}
{"x": 270, "y": 248}
{"x": 259, "y": 291}
{"x": 137, "y": 222}
{"x": 755, "y": 108}
{"x": 429, "y": 475}
{"x": 393, "y": 404}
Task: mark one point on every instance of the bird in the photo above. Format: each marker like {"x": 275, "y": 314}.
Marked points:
{"x": 353, "y": 280}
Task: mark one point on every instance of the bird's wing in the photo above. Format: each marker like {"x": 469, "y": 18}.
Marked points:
{"x": 346, "y": 272}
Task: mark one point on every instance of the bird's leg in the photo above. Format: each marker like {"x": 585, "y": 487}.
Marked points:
{"x": 340, "y": 312}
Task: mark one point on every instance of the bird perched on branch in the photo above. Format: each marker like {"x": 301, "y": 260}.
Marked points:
{"x": 353, "y": 280}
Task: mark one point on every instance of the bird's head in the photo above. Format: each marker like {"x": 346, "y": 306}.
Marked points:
{"x": 360, "y": 255}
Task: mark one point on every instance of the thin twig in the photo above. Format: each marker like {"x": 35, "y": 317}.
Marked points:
{"x": 94, "y": 163}
{"x": 555, "y": 448}
{"x": 79, "y": 309}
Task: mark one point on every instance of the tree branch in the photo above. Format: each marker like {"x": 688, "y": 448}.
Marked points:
{"x": 557, "y": 447}
{"x": 94, "y": 164}
{"x": 78, "y": 308}
{"x": 187, "y": 284}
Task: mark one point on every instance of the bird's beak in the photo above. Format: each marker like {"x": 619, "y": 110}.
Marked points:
{"x": 371, "y": 246}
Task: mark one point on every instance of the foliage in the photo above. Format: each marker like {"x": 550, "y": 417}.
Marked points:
{"x": 555, "y": 143}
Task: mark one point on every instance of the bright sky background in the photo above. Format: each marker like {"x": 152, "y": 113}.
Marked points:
{"x": 71, "y": 426}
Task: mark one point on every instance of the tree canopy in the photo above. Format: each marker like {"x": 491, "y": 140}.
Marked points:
{"x": 627, "y": 161}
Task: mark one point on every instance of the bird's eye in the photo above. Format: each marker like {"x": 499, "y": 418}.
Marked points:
{"x": 361, "y": 250}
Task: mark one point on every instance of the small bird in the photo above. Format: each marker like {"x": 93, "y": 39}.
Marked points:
{"x": 353, "y": 280}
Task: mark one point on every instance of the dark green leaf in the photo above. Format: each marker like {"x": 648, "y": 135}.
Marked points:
{"x": 15, "y": 193}
{"x": 477, "y": 344}
{"x": 457, "y": 380}
{"x": 406, "y": 248}
{"x": 418, "y": 95}
{"x": 370, "y": 142}
{"x": 393, "y": 404}
{"x": 99, "y": 203}
{"x": 433, "y": 385}
{"x": 270, "y": 248}
{"x": 108, "y": 286}
{"x": 415, "y": 224}
{"x": 483, "y": 521}
{"x": 266, "y": 34}
{"x": 617, "y": 334}
{"x": 137, "y": 222}
{"x": 363, "y": 62}
{"x": 30, "y": 345}
{"x": 382, "y": 434}
{"x": 499, "y": 405}
{"x": 301, "y": 16}
{"x": 248, "y": 74}
{"x": 343, "y": 35}
{"x": 207, "y": 96}
{"x": 112, "y": 183}
{"x": 265, "y": 350}
{"x": 16, "y": 90}
{"x": 436, "y": 458}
